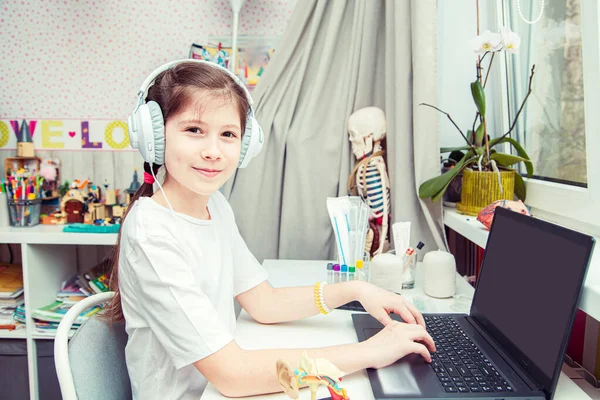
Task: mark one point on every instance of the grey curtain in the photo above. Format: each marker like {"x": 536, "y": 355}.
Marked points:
{"x": 336, "y": 57}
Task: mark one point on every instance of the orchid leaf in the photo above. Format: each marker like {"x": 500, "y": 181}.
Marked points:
{"x": 520, "y": 151}
{"x": 458, "y": 169}
{"x": 520, "y": 188}
{"x": 479, "y": 134}
{"x": 478, "y": 96}
{"x": 451, "y": 149}
{"x": 507, "y": 160}
{"x": 435, "y": 187}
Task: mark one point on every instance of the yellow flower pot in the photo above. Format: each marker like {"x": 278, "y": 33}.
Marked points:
{"x": 480, "y": 189}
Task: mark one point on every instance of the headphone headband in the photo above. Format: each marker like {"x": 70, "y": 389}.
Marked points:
{"x": 146, "y": 122}
{"x": 170, "y": 64}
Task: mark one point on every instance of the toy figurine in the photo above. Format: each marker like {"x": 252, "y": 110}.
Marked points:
{"x": 135, "y": 183}
{"x": 369, "y": 178}
{"x": 486, "y": 216}
{"x": 79, "y": 184}
{"x": 133, "y": 187}
{"x": 314, "y": 373}
{"x": 73, "y": 206}
{"x": 50, "y": 171}
{"x": 25, "y": 141}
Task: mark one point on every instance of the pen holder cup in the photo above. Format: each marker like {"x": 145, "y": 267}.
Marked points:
{"x": 24, "y": 212}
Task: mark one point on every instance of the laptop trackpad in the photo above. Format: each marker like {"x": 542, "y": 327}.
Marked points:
{"x": 409, "y": 377}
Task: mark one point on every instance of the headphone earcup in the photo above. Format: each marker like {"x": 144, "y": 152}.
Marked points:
{"x": 158, "y": 132}
{"x": 252, "y": 141}
{"x": 245, "y": 145}
{"x": 149, "y": 123}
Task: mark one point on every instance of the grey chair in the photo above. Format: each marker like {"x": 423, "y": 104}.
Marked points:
{"x": 91, "y": 366}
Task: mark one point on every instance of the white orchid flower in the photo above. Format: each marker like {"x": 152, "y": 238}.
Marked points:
{"x": 487, "y": 41}
{"x": 510, "y": 40}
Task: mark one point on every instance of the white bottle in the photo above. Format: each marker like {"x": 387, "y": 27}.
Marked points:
{"x": 439, "y": 274}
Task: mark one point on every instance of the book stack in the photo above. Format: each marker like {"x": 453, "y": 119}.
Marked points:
{"x": 20, "y": 315}
{"x": 11, "y": 295}
{"x": 73, "y": 290}
{"x": 80, "y": 286}
{"x": 47, "y": 318}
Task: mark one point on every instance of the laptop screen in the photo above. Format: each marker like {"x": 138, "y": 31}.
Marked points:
{"x": 528, "y": 290}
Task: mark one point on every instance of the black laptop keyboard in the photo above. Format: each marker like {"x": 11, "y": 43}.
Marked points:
{"x": 459, "y": 364}
{"x": 352, "y": 306}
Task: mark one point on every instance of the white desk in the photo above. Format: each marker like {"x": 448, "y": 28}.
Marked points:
{"x": 335, "y": 328}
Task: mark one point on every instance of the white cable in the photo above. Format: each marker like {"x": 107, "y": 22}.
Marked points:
{"x": 161, "y": 189}
{"x": 523, "y": 18}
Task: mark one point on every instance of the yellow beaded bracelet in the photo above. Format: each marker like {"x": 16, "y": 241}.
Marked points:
{"x": 320, "y": 298}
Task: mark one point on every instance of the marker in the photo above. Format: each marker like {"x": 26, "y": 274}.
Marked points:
{"x": 336, "y": 273}
{"x": 344, "y": 273}
{"x": 329, "y": 272}
{"x": 351, "y": 273}
{"x": 363, "y": 270}
{"x": 359, "y": 266}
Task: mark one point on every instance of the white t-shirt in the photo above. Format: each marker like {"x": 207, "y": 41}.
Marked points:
{"x": 178, "y": 276}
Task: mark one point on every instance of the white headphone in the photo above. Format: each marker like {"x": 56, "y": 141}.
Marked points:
{"x": 147, "y": 130}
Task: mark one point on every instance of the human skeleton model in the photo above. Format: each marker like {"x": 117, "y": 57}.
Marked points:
{"x": 313, "y": 372}
{"x": 367, "y": 128}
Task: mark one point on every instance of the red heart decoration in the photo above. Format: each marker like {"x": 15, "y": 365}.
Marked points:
{"x": 72, "y": 133}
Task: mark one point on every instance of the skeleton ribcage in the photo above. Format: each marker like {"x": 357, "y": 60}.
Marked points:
{"x": 373, "y": 194}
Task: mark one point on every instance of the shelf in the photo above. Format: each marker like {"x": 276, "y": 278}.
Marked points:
{"x": 49, "y": 335}
{"x": 14, "y": 334}
{"x": 53, "y": 234}
{"x": 474, "y": 231}
{"x": 466, "y": 226}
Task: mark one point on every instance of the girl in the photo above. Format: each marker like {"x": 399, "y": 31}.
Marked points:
{"x": 180, "y": 259}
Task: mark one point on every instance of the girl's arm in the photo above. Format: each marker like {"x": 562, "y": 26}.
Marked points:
{"x": 270, "y": 305}
{"x": 236, "y": 372}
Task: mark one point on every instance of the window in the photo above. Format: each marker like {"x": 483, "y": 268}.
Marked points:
{"x": 559, "y": 124}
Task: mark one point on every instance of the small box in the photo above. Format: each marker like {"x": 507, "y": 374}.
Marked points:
{"x": 13, "y": 357}
{"x": 24, "y": 149}
{"x": 118, "y": 211}
{"x": 97, "y": 210}
{"x": 110, "y": 197}
{"x": 14, "y": 164}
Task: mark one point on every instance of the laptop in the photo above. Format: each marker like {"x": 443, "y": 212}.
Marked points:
{"x": 512, "y": 343}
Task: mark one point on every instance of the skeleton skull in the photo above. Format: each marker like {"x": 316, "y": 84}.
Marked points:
{"x": 366, "y": 126}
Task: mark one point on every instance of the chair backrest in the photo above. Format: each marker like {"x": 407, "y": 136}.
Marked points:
{"x": 92, "y": 365}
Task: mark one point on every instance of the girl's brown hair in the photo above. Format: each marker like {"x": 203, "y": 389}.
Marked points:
{"x": 173, "y": 90}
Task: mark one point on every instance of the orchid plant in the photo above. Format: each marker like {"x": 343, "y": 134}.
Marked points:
{"x": 480, "y": 153}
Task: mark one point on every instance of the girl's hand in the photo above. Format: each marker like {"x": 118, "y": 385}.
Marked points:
{"x": 380, "y": 303}
{"x": 397, "y": 340}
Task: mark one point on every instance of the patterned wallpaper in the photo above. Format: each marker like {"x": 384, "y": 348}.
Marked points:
{"x": 65, "y": 63}
{"x": 86, "y": 58}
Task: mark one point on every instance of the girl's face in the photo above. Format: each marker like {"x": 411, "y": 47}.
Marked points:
{"x": 202, "y": 143}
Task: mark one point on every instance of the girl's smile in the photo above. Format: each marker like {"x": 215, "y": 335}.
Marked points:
{"x": 207, "y": 172}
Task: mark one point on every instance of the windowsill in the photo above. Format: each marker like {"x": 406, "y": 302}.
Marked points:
{"x": 474, "y": 231}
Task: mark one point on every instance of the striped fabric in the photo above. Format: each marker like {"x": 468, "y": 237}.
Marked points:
{"x": 370, "y": 182}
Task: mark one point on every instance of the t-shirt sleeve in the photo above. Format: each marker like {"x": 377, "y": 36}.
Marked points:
{"x": 180, "y": 315}
{"x": 248, "y": 272}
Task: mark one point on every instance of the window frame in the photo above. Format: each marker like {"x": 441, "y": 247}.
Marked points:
{"x": 558, "y": 201}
